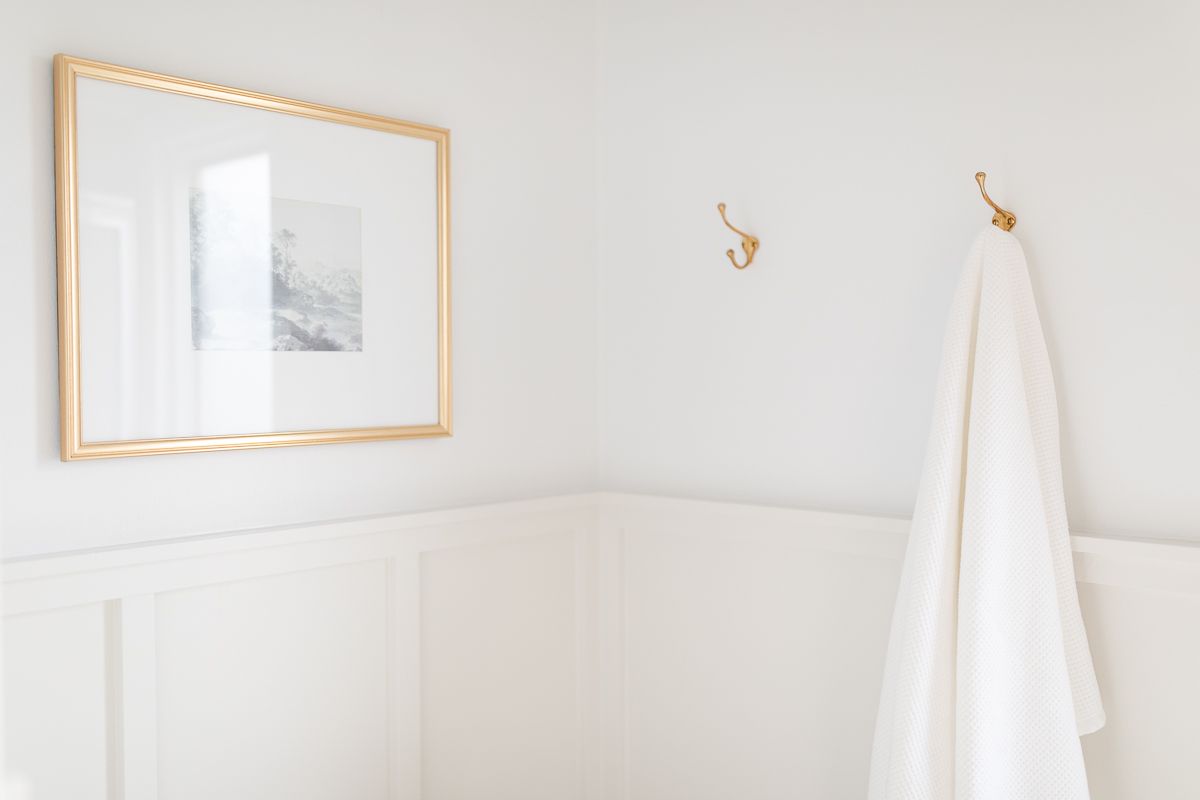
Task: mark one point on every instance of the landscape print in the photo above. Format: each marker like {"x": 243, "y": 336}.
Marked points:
{"x": 274, "y": 274}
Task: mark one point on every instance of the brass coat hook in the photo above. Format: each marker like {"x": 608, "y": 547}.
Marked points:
{"x": 1004, "y": 220}
{"x": 749, "y": 243}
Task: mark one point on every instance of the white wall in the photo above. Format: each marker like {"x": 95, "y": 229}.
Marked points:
{"x": 512, "y": 81}
{"x": 597, "y": 647}
{"x": 846, "y": 136}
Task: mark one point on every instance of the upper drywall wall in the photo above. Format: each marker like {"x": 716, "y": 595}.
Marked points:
{"x": 513, "y": 81}
{"x": 846, "y": 136}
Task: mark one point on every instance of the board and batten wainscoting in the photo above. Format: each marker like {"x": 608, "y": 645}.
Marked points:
{"x": 600, "y": 647}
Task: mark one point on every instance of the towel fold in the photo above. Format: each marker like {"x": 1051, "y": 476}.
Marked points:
{"x": 989, "y": 681}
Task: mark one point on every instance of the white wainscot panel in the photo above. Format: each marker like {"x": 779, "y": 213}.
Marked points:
{"x": 753, "y": 665}
{"x": 1146, "y": 646}
{"x": 55, "y": 716}
{"x": 275, "y": 687}
{"x": 285, "y": 664}
{"x": 604, "y": 647}
{"x": 755, "y": 638}
{"x": 499, "y": 676}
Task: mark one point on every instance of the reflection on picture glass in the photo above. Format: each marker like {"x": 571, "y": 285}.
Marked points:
{"x": 270, "y": 273}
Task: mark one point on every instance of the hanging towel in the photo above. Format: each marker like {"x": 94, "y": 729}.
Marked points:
{"x": 988, "y": 683}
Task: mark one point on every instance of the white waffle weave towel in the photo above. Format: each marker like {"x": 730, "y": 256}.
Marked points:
{"x": 989, "y": 681}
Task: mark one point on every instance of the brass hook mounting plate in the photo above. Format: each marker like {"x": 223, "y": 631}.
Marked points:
{"x": 749, "y": 243}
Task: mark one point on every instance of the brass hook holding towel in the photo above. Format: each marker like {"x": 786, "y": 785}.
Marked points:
{"x": 749, "y": 243}
{"x": 1004, "y": 220}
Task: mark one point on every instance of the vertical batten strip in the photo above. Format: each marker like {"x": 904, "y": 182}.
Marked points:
{"x": 600, "y": 644}
{"x": 131, "y": 704}
{"x": 587, "y": 710}
{"x": 114, "y": 683}
{"x": 139, "y": 697}
{"x": 403, "y": 576}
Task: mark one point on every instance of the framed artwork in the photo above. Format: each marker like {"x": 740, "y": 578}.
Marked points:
{"x": 241, "y": 270}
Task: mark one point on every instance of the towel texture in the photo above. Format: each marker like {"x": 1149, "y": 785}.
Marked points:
{"x": 989, "y": 682}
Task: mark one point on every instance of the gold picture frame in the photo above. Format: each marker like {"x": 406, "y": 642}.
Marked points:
{"x": 67, "y": 69}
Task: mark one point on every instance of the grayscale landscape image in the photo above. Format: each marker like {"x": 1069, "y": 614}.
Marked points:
{"x": 274, "y": 274}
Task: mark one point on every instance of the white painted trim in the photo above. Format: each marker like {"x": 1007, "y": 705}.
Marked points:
{"x": 254, "y": 538}
{"x": 139, "y": 698}
{"x": 76, "y": 578}
{"x": 114, "y": 688}
{"x": 404, "y": 676}
{"x": 82, "y": 577}
{"x": 1160, "y": 566}
{"x": 127, "y": 579}
{"x": 600, "y": 647}
{"x": 602, "y": 525}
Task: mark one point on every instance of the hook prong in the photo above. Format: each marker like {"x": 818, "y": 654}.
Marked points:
{"x": 749, "y": 243}
{"x": 1004, "y": 220}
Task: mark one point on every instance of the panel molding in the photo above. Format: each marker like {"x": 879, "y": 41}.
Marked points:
{"x": 601, "y": 526}
{"x": 656, "y": 535}
{"x": 74, "y": 578}
{"x": 1153, "y": 565}
{"x": 125, "y": 582}
{"x": 404, "y": 676}
{"x": 133, "y": 690}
